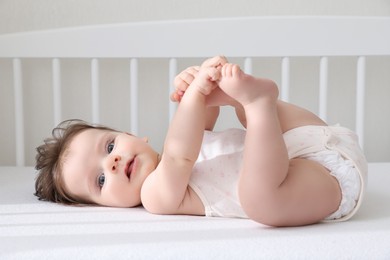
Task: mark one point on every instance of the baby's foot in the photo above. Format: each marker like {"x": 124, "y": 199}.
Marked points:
{"x": 245, "y": 88}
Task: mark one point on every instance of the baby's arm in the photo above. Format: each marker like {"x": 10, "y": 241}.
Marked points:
{"x": 213, "y": 101}
{"x": 166, "y": 189}
{"x": 182, "y": 81}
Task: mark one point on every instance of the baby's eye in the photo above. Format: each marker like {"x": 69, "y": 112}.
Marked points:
{"x": 101, "y": 180}
{"x": 110, "y": 147}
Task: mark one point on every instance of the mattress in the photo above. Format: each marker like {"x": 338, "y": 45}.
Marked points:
{"x": 32, "y": 229}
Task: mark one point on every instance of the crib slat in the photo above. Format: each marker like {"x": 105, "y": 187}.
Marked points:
{"x": 95, "y": 91}
{"x": 172, "y": 75}
{"x": 360, "y": 93}
{"x": 323, "y": 89}
{"x": 134, "y": 96}
{"x": 56, "y": 70}
{"x": 19, "y": 112}
{"x": 285, "y": 87}
{"x": 248, "y": 66}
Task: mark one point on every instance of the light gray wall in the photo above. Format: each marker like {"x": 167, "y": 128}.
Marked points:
{"x": 25, "y": 15}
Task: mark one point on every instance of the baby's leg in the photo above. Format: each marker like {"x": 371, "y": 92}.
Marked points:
{"x": 265, "y": 149}
{"x": 272, "y": 189}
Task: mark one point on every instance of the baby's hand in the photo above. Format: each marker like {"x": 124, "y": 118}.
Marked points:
{"x": 207, "y": 79}
{"x": 182, "y": 81}
{"x": 185, "y": 78}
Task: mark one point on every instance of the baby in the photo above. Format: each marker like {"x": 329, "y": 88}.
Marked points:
{"x": 288, "y": 168}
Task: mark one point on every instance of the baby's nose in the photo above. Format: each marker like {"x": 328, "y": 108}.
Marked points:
{"x": 115, "y": 162}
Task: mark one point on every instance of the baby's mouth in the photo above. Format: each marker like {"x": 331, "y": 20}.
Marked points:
{"x": 129, "y": 168}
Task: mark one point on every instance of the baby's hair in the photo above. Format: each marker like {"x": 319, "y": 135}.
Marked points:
{"x": 50, "y": 156}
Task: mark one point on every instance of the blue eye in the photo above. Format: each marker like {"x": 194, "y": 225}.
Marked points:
{"x": 101, "y": 180}
{"x": 110, "y": 147}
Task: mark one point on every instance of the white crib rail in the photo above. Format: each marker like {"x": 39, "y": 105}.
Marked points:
{"x": 268, "y": 37}
{"x": 19, "y": 113}
{"x": 283, "y": 37}
{"x": 57, "y": 100}
{"x": 134, "y": 96}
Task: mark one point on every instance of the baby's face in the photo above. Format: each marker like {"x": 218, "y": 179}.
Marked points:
{"x": 108, "y": 168}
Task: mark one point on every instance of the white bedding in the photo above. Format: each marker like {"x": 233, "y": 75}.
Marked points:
{"x": 31, "y": 229}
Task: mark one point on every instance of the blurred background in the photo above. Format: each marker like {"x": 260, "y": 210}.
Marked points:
{"x": 27, "y": 15}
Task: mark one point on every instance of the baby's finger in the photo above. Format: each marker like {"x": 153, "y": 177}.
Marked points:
{"x": 214, "y": 73}
{"x": 185, "y": 78}
{"x": 193, "y": 70}
{"x": 176, "y": 96}
{"x": 207, "y": 80}
{"x": 189, "y": 74}
{"x": 216, "y": 61}
{"x": 181, "y": 82}
{"x": 173, "y": 97}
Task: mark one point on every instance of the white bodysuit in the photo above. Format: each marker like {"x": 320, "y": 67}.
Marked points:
{"x": 216, "y": 172}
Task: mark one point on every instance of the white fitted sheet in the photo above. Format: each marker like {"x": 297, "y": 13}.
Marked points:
{"x": 31, "y": 229}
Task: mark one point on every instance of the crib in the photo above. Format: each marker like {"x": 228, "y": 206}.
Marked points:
{"x": 120, "y": 74}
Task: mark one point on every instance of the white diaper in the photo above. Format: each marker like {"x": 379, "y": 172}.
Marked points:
{"x": 347, "y": 176}
{"x": 337, "y": 149}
